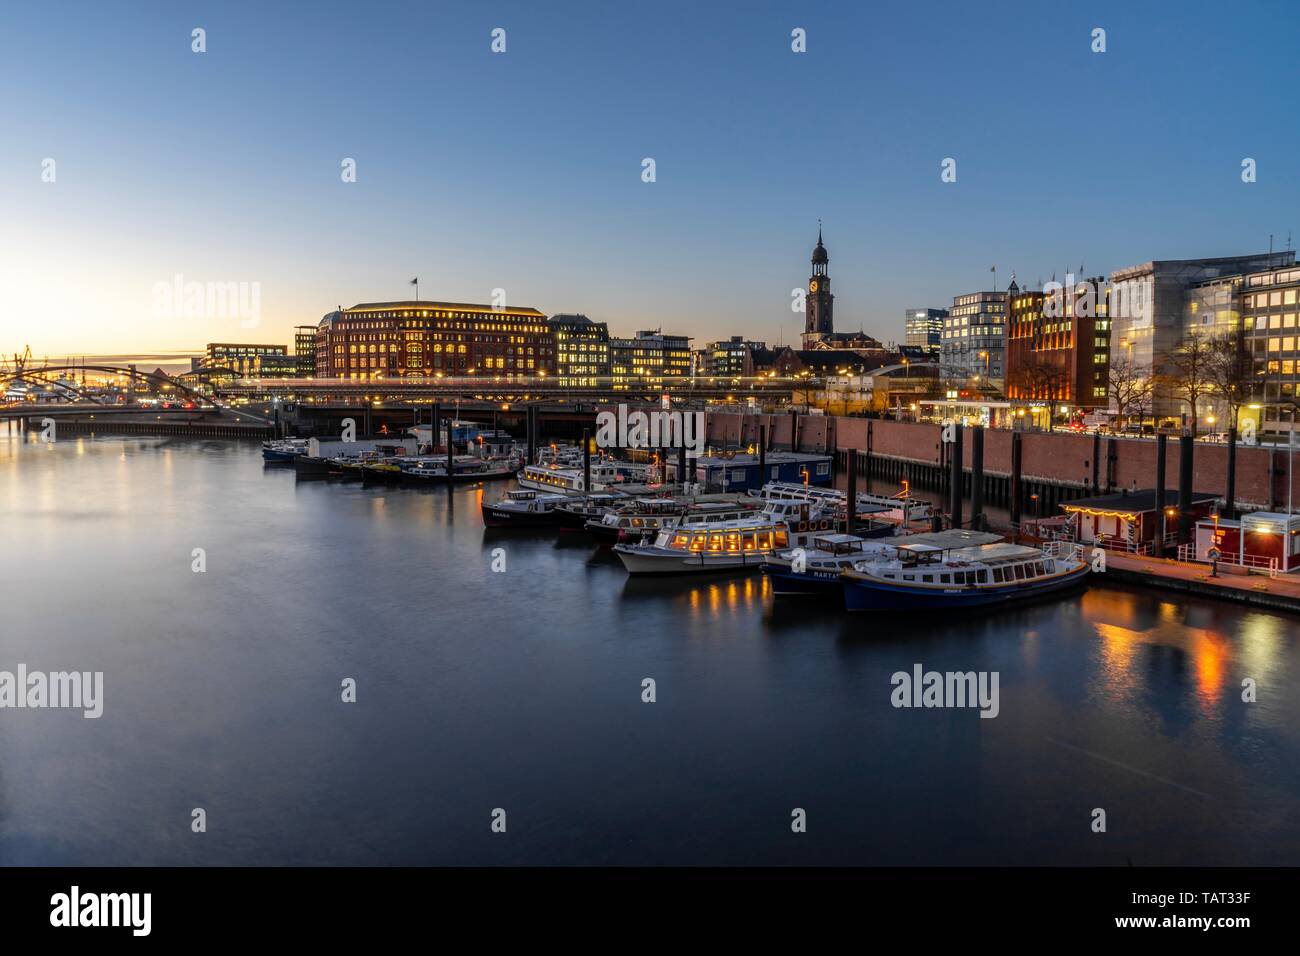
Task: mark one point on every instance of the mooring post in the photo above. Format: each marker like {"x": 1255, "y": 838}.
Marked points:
{"x": 1230, "y": 499}
{"x": 954, "y": 458}
{"x": 977, "y": 477}
{"x": 586, "y": 461}
{"x": 1186, "y": 448}
{"x": 1161, "y": 524}
{"x": 853, "y": 491}
{"x": 1015, "y": 493}
{"x": 532, "y": 434}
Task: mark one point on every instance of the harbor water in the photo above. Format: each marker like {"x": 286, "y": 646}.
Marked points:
{"x": 500, "y": 671}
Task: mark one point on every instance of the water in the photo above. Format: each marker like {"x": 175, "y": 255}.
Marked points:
{"x": 522, "y": 690}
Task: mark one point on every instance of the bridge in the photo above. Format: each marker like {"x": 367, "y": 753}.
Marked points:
{"x": 243, "y": 407}
{"x": 499, "y": 389}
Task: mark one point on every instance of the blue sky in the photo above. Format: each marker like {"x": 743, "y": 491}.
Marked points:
{"x": 522, "y": 170}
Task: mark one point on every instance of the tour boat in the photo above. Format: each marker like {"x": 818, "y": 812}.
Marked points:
{"x": 524, "y": 509}
{"x": 646, "y": 517}
{"x": 736, "y": 544}
{"x": 920, "y": 577}
{"x": 605, "y": 474}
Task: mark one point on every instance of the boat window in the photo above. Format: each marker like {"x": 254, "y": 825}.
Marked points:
{"x": 982, "y": 577}
{"x": 751, "y": 541}
{"x": 733, "y": 541}
{"x": 909, "y": 577}
{"x": 928, "y": 578}
{"x": 715, "y": 542}
{"x": 1038, "y": 569}
{"x": 997, "y": 574}
{"x": 1020, "y": 572}
{"x": 782, "y": 538}
{"x": 698, "y": 542}
{"x": 945, "y": 579}
{"x": 680, "y": 540}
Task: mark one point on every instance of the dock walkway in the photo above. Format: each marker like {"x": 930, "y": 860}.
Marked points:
{"x": 1280, "y": 593}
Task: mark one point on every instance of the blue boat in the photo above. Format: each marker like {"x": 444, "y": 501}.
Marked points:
{"x": 922, "y": 577}
{"x": 815, "y": 571}
{"x": 282, "y": 451}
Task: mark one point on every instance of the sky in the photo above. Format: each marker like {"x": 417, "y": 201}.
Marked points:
{"x": 523, "y": 170}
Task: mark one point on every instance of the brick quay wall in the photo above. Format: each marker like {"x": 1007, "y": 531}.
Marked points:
{"x": 1061, "y": 462}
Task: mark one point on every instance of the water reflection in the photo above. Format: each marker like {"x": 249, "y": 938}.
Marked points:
{"x": 522, "y": 688}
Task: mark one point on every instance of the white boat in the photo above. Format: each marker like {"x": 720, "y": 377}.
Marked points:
{"x": 605, "y": 474}
{"x": 737, "y": 544}
{"x": 900, "y": 507}
{"x": 919, "y": 577}
{"x": 646, "y": 517}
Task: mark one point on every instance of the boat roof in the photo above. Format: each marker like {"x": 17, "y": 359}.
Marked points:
{"x": 838, "y": 538}
{"x": 987, "y": 553}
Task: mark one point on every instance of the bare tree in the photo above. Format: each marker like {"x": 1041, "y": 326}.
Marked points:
{"x": 1127, "y": 387}
{"x": 1231, "y": 372}
{"x": 1189, "y": 372}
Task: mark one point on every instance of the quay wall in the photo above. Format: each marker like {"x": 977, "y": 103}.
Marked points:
{"x": 1060, "y": 458}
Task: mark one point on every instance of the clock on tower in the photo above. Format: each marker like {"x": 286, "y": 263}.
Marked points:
{"x": 819, "y": 307}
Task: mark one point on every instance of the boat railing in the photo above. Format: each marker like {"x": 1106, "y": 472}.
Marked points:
{"x": 1064, "y": 550}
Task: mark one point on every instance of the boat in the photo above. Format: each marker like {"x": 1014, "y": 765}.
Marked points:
{"x": 920, "y": 577}
{"x": 524, "y": 509}
{"x": 815, "y": 571}
{"x": 575, "y": 515}
{"x": 697, "y": 545}
{"x": 283, "y": 451}
{"x": 646, "y": 517}
{"x": 901, "y": 507}
{"x": 605, "y": 474}
{"x": 424, "y": 471}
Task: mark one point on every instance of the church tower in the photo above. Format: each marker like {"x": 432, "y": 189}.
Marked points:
{"x": 819, "y": 307}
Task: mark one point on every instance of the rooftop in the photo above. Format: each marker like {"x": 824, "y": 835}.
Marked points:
{"x": 1133, "y": 502}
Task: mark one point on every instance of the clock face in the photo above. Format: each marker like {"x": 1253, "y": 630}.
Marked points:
{"x": 812, "y": 286}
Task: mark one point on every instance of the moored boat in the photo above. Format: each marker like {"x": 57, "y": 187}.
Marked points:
{"x": 283, "y": 451}
{"x": 921, "y": 577}
{"x": 524, "y": 509}
{"x": 736, "y": 544}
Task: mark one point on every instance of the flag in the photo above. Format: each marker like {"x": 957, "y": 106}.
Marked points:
{"x": 415, "y": 282}
{"x": 993, "y": 268}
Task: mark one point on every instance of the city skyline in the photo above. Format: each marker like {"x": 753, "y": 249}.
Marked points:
{"x": 479, "y": 171}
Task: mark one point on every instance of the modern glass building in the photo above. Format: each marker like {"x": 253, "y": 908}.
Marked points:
{"x": 923, "y": 329}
